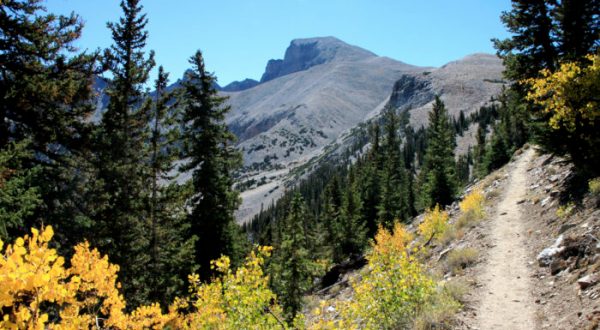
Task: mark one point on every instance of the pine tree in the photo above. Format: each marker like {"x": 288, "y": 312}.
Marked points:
{"x": 531, "y": 47}
{"x": 121, "y": 226}
{"x": 19, "y": 197}
{"x": 171, "y": 242}
{"x": 211, "y": 158}
{"x": 292, "y": 267}
{"x": 46, "y": 97}
{"x": 369, "y": 183}
{"x": 438, "y": 175}
{"x": 394, "y": 182}
{"x": 353, "y": 231}
{"x": 577, "y": 28}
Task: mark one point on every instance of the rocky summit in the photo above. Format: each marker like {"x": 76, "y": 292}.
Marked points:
{"x": 322, "y": 89}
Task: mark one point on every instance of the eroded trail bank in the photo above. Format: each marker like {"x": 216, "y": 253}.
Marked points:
{"x": 507, "y": 301}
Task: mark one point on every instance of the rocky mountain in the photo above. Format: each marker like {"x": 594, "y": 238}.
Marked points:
{"x": 310, "y": 103}
{"x": 303, "y": 54}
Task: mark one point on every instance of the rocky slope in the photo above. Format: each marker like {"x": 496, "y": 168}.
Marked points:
{"x": 310, "y": 102}
{"x": 310, "y": 105}
{"x": 537, "y": 251}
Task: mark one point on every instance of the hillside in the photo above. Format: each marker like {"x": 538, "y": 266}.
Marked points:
{"x": 323, "y": 89}
{"x": 531, "y": 262}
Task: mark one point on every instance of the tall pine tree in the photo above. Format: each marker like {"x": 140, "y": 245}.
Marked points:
{"x": 121, "y": 217}
{"x": 171, "y": 241}
{"x": 394, "y": 181}
{"x": 292, "y": 267}
{"x": 212, "y": 158}
{"x": 437, "y": 178}
{"x": 46, "y": 97}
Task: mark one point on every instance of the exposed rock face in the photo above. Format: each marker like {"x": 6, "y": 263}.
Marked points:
{"x": 237, "y": 86}
{"x": 303, "y": 54}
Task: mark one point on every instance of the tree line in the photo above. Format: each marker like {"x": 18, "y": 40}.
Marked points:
{"x": 114, "y": 182}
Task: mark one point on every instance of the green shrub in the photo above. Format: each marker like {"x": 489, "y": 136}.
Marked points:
{"x": 459, "y": 259}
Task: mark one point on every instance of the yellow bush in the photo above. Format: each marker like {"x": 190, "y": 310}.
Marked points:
{"x": 569, "y": 94}
{"x": 33, "y": 277}
{"x": 472, "y": 208}
{"x": 594, "y": 185}
{"x": 391, "y": 292}
{"x": 564, "y": 211}
{"x": 434, "y": 224}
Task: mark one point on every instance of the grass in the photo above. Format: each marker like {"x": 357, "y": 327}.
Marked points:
{"x": 457, "y": 289}
{"x": 453, "y": 233}
{"x": 439, "y": 313}
{"x": 459, "y": 259}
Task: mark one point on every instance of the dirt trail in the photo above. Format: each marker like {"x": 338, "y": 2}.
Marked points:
{"x": 507, "y": 302}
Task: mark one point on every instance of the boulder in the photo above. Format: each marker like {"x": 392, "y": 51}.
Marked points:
{"x": 545, "y": 257}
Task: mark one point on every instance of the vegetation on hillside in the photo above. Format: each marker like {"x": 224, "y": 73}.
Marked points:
{"x": 110, "y": 188}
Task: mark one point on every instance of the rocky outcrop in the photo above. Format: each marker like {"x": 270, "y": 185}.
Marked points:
{"x": 303, "y": 54}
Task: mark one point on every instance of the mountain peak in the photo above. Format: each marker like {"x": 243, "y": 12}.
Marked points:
{"x": 302, "y": 54}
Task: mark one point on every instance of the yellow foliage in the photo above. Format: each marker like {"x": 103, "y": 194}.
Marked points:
{"x": 391, "y": 292}
{"x": 569, "y": 95}
{"x": 472, "y": 206}
{"x": 434, "y": 225}
{"x": 85, "y": 295}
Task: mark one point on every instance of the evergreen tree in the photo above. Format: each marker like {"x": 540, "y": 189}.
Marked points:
{"x": 292, "y": 267}
{"x": 394, "y": 182}
{"x": 352, "y": 226}
{"x": 19, "y": 197}
{"x": 171, "y": 242}
{"x": 369, "y": 182}
{"x": 212, "y": 158}
{"x": 480, "y": 168}
{"x": 46, "y": 97}
{"x": 438, "y": 174}
{"x": 462, "y": 170}
{"x": 531, "y": 48}
{"x": 578, "y": 28}
{"x": 544, "y": 34}
{"x": 121, "y": 217}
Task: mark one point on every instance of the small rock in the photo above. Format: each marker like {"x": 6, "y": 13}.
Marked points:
{"x": 588, "y": 281}
{"x": 555, "y": 178}
{"x": 503, "y": 213}
{"x": 547, "y": 255}
{"x": 521, "y": 201}
{"x": 546, "y": 201}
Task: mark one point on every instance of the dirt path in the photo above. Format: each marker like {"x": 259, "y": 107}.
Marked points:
{"x": 506, "y": 301}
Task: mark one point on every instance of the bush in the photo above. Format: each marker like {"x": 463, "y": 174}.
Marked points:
{"x": 392, "y": 292}
{"x": 434, "y": 225}
{"x": 472, "y": 209}
{"x": 453, "y": 233}
{"x": 564, "y": 211}
{"x": 594, "y": 185}
{"x": 34, "y": 284}
{"x": 460, "y": 259}
{"x": 439, "y": 313}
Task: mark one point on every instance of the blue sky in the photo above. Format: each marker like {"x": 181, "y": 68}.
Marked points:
{"x": 238, "y": 37}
